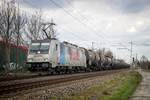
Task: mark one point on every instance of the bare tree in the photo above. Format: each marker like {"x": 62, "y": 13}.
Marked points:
{"x": 7, "y": 17}
{"x": 34, "y": 26}
{"x": 19, "y": 23}
{"x": 109, "y": 54}
{"x": 144, "y": 62}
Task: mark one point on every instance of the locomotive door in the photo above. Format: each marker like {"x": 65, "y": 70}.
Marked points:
{"x": 54, "y": 53}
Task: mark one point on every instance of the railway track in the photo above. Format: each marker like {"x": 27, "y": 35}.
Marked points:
{"x": 21, "y": 76}
{"x": 10, "y": 87}
{"x": 17, "y": 77}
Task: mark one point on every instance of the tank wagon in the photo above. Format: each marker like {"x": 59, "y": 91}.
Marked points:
{"x": 53, "y": 56}
{"x": 119, "y": 64}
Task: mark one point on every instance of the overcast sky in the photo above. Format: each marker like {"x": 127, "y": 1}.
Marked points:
{"x": 108, "y": 23}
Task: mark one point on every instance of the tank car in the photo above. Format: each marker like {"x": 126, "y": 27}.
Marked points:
{"x": 119, "y": 64}
{"x": 91, "y": 60}
{"x": 107, "y": 60}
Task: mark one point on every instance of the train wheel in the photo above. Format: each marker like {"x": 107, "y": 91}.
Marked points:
{"x": 51, "y": 71}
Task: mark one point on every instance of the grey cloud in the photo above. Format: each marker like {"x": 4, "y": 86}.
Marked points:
{"x": 131, "y": 6}
{"x": 44, "y": 4}
{"x": 117, "y": 32}
{"x": 125, "y": 6}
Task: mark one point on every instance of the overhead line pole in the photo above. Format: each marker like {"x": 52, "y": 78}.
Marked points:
{"x": 131, "y": 51}
{"x": 131, "y": 43}
{"x": 92, "y": 45}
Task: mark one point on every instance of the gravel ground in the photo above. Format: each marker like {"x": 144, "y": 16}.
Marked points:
{"x": 63, "y": 89}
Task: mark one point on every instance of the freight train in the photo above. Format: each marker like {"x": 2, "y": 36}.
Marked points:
{"x": 53, "y": 56}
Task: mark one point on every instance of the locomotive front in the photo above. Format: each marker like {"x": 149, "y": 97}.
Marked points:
{"x": 38, "y": 55}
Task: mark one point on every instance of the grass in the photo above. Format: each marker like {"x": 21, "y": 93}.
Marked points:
{"x": 126, "y": 89}
{"x": 119, "y": 88}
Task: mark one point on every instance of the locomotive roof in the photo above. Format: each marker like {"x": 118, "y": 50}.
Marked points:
{"x": 45, "y": 40}
{"x": 70, "y": 43}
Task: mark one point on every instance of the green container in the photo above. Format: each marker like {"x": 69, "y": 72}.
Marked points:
{"x": 15, "y": 58}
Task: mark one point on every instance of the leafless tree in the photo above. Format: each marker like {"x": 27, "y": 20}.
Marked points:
{"x": 144, "y": 62}
{"x": 19, "y": 23}
{"x": 34, "y": 26}
{"x": 7, "y": 17}
{"x": 109, "y": 54}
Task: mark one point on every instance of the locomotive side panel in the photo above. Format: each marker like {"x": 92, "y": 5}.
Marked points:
{"x": 65, "y": 55}
{"x": 62, "y": 54}
{"x": 71, "y": 55}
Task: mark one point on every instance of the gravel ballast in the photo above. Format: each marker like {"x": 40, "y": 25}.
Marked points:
{"x": 64, "y": 89}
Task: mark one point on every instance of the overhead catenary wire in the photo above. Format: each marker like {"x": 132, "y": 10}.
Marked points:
{"x": 81, "y": 22}
{"x": 72, "y": 16}
{"x": 69, "y": 29}
{"x": 77, "y": 11}
{"x": 76, "y": 36}
{"x": 73, "y": 34}
{"x": 77, "y": 19}
{"x": 85, "y": 18}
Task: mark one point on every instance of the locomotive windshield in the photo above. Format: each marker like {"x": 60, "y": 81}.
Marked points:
{"x": 42, "y": 48}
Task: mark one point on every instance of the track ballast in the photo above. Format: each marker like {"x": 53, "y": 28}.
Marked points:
{"x": 15, "y": 87}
